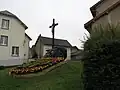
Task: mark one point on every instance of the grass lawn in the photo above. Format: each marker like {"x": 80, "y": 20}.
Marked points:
{"x": 65, "y": 77}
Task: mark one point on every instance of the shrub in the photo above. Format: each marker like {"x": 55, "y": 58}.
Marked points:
{"x": 102, "y": 59}
{"x": 2, "y": 67}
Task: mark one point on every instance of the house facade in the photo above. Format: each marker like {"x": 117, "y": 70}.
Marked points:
{"x": 104, "y": 12}
{"x": 74, "y": 49}
{"x": 14, "y": 42}
{"x": 44, "y": 43}
{"x": 76, "y": 53}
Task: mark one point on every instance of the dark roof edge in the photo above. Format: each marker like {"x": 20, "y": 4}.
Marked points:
{"x": 86, "y": 25}
{"x": 28, "y": 36}
{"x": 55, "y": 38}
{"x": 50, "y": 38}
{"x": 95, "y": 5}
{"x": 37, "y": 39}
{"x": 93, "y": 8}
{"x": 16, "y": 18}
{"x": 59, "y": 45}
{"x": 75, "y": 47}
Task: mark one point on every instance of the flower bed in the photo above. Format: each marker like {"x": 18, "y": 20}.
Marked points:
{"x": 35, "y": 66}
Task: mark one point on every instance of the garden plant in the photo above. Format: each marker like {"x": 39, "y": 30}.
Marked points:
{"x": 102, "y": 58}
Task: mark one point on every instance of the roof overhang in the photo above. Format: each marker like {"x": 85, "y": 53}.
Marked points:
{"x": 15, "y": 18}
{"x": 28, "y": 36}
{"x": 59, "y": 45}
{"x": 106, "y": 12}
{"x": 93, "y": 8}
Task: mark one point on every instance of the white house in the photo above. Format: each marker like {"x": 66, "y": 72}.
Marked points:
{"x": 44, "y": 43}
{"x": 14, "y": 42}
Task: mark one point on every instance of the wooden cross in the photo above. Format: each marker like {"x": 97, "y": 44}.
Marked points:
{"x": 53, "y": 31}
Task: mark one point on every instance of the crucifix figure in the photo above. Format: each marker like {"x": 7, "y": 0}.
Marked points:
{"x": 53, "y": 31}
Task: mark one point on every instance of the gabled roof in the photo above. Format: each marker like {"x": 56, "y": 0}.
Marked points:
{"x": 77, "y": 53}
{"x": 93, "y": 8}
{"x": 58, "y": 42}
{"x": 28, "y": 36}
{"x": 98, "y": 3}
{"x": 101, "y": 14}
{"x": 75, "y": 47}
{"x": 7, "y": 13}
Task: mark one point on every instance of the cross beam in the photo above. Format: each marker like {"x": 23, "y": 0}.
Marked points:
{"x": 53, "y": 31}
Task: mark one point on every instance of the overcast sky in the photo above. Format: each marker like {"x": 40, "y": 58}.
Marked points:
{"x": 38, "y": 14}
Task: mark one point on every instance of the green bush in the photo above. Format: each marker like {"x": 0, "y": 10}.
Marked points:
{"x": 2, "y": 67}
{"x": 102, "y": 59}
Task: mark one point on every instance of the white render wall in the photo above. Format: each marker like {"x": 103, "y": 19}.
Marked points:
{"x": 46, "y": 47}
{"x": 68, "y": 53}
{"x": 26, "y": 49}
{"x": 16, "y": 37}
{"x": 39, "y": 48}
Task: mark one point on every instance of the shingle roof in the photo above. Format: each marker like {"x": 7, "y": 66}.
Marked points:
{"x": 58, "y": 42}
{"x": 7, "y": 13}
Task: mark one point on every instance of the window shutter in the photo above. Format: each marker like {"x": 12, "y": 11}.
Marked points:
{"x": 12, "y": 50}
{"x": 0, "y": 40}
{"x": 3, "y": 40}
{"x": 17, "y": 50}
{"x": 6, "y": 40}
{"x": 2, "y": 23}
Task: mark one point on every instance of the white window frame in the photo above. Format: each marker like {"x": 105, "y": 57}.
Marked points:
{"x": 15, "y": 51}
{"x": 3, "y": 26}
{"x": 3, "y": 41}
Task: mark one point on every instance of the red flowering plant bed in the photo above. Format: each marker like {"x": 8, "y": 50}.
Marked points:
{"x": 35, "y": 66}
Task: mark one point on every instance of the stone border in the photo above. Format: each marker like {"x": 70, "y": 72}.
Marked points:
{"x": 43, "y": 72}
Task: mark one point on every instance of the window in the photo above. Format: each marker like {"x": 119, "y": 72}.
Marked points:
{"x": 3, "y": 40}
{"x": 5, "y": 24}
{"x": 15, "y": 51}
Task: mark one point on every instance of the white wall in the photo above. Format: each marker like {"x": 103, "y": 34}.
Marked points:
{"x": 26, "y": 48}
{"x": 68, "y": 53}
{"x": 16, "y": 37}
{"x": 46, "y": 47}
{"x": 74, "y": 50}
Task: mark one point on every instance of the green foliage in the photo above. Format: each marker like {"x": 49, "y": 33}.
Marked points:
{"x": 2, "y": 67}
{"x": 102, "y": 59}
